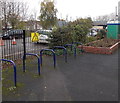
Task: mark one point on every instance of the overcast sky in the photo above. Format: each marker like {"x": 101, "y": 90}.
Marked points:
{"x": 77, "y": 8}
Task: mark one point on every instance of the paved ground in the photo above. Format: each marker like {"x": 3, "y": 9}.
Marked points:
{"x": 89, "y": 77}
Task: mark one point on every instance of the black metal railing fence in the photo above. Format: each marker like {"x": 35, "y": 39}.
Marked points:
{"x": 14, "y": 48}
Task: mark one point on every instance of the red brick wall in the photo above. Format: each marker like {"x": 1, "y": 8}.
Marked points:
{"x": 100, "y": 50}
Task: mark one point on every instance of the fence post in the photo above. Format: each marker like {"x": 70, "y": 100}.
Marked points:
{"x": 24, "y": 47}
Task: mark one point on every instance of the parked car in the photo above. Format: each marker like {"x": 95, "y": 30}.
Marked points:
{"x": 93, "y": 32}
{"x": 10, "y": 34}
{"x": 43, "y": 36}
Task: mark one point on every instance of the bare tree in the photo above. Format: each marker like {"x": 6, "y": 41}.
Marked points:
{"x": 23, "y": 15}
{"x": 35, "y": 18}
{"x": 107, "y": 17}
{"x": 0, "y": 16}
{"x": 24, "y": 9}
{"x": 31, "y": 22}
{"x": 4, "y": 14}
{"x": 13, "y": 13}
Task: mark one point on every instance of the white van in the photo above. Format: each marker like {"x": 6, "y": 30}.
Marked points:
{"x": 43, "y": 36}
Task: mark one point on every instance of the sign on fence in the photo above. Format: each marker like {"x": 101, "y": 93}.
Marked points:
{"x": 34, "y": 37}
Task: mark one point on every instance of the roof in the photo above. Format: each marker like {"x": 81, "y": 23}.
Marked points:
{"x": 97, "y": 23}
{"x": 61, "y": 23}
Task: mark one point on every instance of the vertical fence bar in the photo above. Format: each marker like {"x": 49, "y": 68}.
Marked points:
{"x": 18, "y": 50}
{"x": 6, "y": 45}
{"x": 21, "y": 49}
{"x": 24, "y": 50}
{"x": 30, "y": 45}
{"x": 2, "y": 48}
{"x": 8, "y": 49}
{"x": 4, "y": 51}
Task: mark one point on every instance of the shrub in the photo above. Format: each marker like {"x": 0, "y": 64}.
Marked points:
{"x": 90, "y": 39}
{"x": 103, "y": 43}
{"x": 73, "y": 32}
{"x": 101, "y": 34}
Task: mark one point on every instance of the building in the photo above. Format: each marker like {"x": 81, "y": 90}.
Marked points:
{"x": 100, "y": 24}
{"x": 61, "y": 22}
{"x": 119, "y": 10}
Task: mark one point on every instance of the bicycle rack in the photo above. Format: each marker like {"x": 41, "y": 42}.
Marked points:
{"x": 54, "y": 56}
{"x": 79, "y": 44}
{"x": 24, "y": 57}
{"x": 15, "y": 74}
{"x": 64, "y": 51}
{"x": 71, "y": 45}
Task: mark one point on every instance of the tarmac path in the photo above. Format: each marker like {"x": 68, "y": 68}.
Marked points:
{"x": 89, "y": 77}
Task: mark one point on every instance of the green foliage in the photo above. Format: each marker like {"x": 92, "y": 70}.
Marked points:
{"x": 48, "y": 16}
{"x": 21, "y": 25}
{"x": 59, "y": 52}
{"x": 103, "y": 43}
{"x": 90, "y": 39}
{"x": 13, "y": 19}
{"x": 73, "y": 32}
{"x": 101, "y": 34}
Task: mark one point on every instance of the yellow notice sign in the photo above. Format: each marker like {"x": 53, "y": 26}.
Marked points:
{"x": 34, "y": 37}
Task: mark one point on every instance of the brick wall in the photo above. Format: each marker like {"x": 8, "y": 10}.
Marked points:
{"x": 100, "y": 50}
